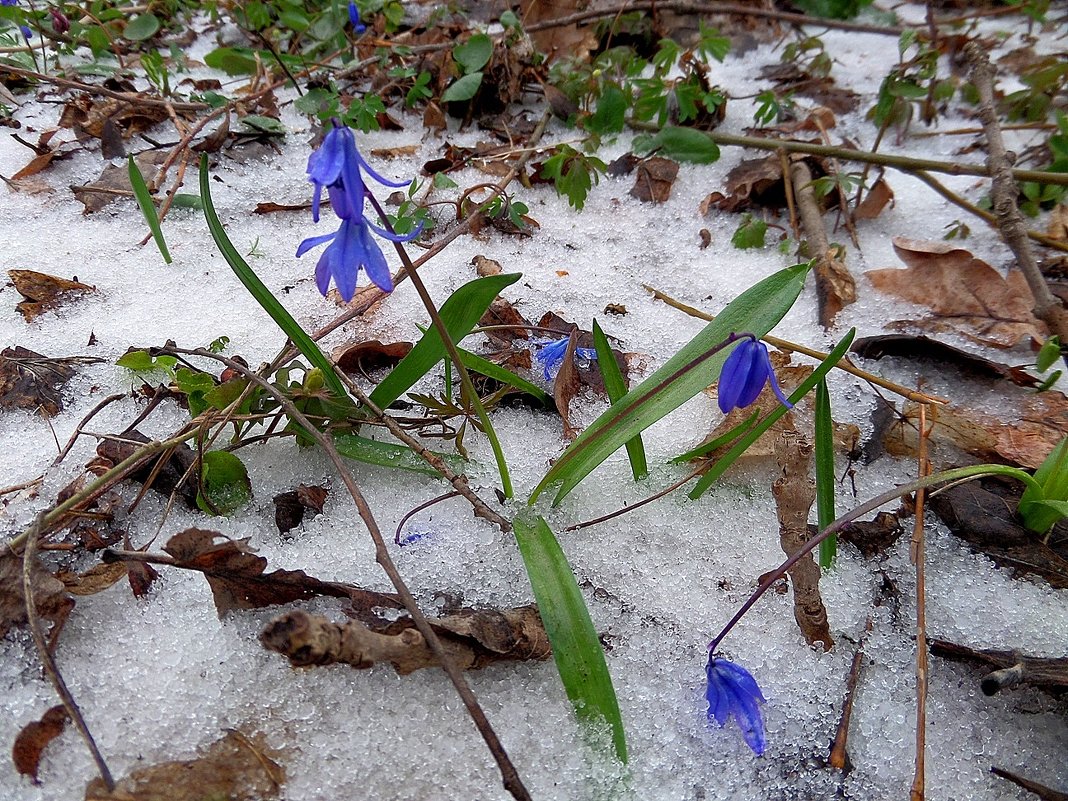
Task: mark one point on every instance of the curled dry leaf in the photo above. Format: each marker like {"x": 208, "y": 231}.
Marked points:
{"x": 878, "y": 198}
{"x": 114, "y": 181}
{"x": 96, "y": 579}
{"x": 31, "y": 381}
{"x": 654, "y": 180}
{"x": 34, "y": 738}
{"x": 236, "y": 767}
{"x": 235, "y": 574}
{"x": 291, "y": 507}
{"x": 166, "y": 479}
{"x": 1023, "y": 433}
{"x": 43, "y": 292}
{"x": 49, "y": 595}
{"x": 965, "y": 294}
{"x": 361, "y": 358}
{"x": 925, "y": 349}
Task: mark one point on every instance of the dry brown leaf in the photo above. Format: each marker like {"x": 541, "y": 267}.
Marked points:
{"x": 1057, "y": 227}
{"x": 485, "y": 267}
{"x": 395, "y": 152}
{"x": 966, "y": 294}
{"x": 567, "y": 384}
{"x": 364, "y": 357}
{"x": 290, "y": 507}
{"x": 114, "y": 182}
{"x": 752, "y": 182}
{"x": 49, "y": 595}
{"x": 235, "y": 574}
{"x": 654, "y": 180}
{"x": 34, "y": 738}
{"x": 96, "y": 579}
{"x": 31, "y": 381}
{"x": 877, "y": 199}
{"x": 1023, "y": 433}
{"x": 43, "y": 292}
{"x": 570, "y": 41}
{"x": 87, "y": 116}
{"x": 235, "y": 768}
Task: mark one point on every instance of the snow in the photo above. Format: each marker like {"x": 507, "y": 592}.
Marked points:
{"x": 159, "y": 678}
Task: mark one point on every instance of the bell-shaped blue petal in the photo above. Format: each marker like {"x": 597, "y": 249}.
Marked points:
{"x": 745, "y": 372}
{"x": 551, "y": 354}
{"x": 351, "y": 249}
{"x": 733, "y": 692}
{"x": 354, "y": 18}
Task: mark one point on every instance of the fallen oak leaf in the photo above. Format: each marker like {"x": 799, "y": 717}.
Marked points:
{"x": 234, "y": 767}
{"x": 966, "y": 294}
{"x": 43, "y": 292}
{"x": 34, "y": 737}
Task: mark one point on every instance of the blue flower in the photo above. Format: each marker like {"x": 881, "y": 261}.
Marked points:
{"x": 351, "y": 248}
{"x": 744, "y": 374}
{"x": 551, "y": 355}
{"x": 336, "y": 166}
{"x": 9, "y": 2}
{"x": 732, "y": 691}
{"x": 354, "y": 18}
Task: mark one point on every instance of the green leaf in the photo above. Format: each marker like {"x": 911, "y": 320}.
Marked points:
{"x": 148, "y": 209}
{"x": 487, "y": 368}
{"x": 1048, "y": 354}
{"x": 464, "y": 89}
{"x": 610, "y": 113}
{"x": 140, "y": 361}
{"x": 225, "y": 486}
{"x": 388, "y": 454}
{"x": 1052, "y": 476}
{"x": 685, "y": 374}
{"x": 141, "y": 27}
{"x": 460, "y": 313}
{"x": 305, "y": 344}
{"x": 265, "y": 125}
{"x": 232, "y": 60}
{"x": 183, "y": 200}
{"x": 473, "y": 54}
{"x": 576, "y": 647}
{"x": 740, "y": 447}
{"x": 750, "y": 234}
{"x": 825, "y": 478}
{"x": 616, "y": 389}
{"x": 684, "y": 144}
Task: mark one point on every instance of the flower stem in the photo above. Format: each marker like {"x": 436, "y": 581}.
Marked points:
{"x": 467, "y": 386}
{"x": 958, "y": 474}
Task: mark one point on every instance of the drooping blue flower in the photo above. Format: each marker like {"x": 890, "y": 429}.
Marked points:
{"x": 733, "y": 692}
{"x": 551, "y": 354}
{"x": 744, "y": 374}
{"x": 338, "y": 167}
{"x": 351, "y": 249}
{"x": 354, "y": 18}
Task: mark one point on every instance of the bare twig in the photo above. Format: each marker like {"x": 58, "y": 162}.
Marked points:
{"x": 78, "y": 431}
{"x": 48, "y": 661}
{"x": 917, "y": 552}
{"x": 1003, "y": 192}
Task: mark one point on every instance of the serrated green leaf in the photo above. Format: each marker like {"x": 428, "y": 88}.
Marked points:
{"x": 473, "y": 54}
{"x": 460, "y": 313}
{"x": 148, "y": 208}
{"x": 611, "y": 111}
{"x": 576, "y": 647}
{"x": 684, "y": 375}
{"x": 464, "y": 89}
{"x": 141, "y": 27}
{"x": 616, "y": 388}
{"x": 751, "y": 233}
{"x": 225, "y": 486}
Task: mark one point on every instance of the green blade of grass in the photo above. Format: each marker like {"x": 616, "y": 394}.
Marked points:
{"x": 576, "y": 647}
{"x": 148, "y": 208}
{"x": 388, "y": 454}
{"x": 460, "y": 313}
{"x": 685, "y": 374}
{"x": 751, "y": 436}
{"x": 616, "y": 389}
{"x": 718, "y": 442}
{"x": 824, "y": 455}
{"x": 290, "y": 327}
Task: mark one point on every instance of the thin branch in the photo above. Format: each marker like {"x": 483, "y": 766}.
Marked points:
{"x": 919, "y": 560}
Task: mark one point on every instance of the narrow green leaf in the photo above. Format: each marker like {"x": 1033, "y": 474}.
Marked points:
{"x": 497, "y": 373}
{"x": 460, "y": 312}
{"x": 576, "y": 647}
{"x": 141, "y": 27}
{"x": 616, "y": 389}
{"x": 825, "y": 478}
{"x": 225, "y": 486}
{"x": 740, "y": 447}
{"x": 148, "y": 208}
{"x": 388, "y": 454}
{"x": 464, "y": 89}
{"x": 756, "y": 310}
{"x": 290, "y": 327}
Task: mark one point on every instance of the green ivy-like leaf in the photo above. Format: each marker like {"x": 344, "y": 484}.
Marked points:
{"x": 141, "y": 27}
{"x": 225, "y": 486}
{"x": 684, "y": 144}
{"x": 473, "y": 54}
{"x": 464, "y": 89}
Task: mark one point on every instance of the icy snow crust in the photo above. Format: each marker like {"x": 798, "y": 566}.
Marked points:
{"x": 159, "y": 678}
